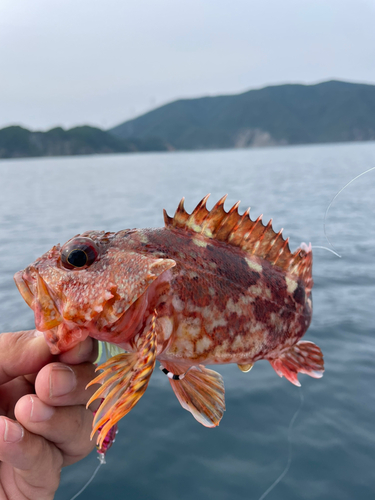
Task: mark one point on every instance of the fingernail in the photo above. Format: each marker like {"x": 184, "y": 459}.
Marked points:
{"x": 61, "y": 381}
{"x": 13, "y": 432}
{"x": 40, "y": 411}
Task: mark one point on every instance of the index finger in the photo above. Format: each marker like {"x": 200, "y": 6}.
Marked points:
{"x": 22, "y": 353}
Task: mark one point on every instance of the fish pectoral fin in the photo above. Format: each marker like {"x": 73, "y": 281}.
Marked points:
{"x": 124, "y": 379}
{"x": 200, "y": 391}
{"x": 303, "y": 357}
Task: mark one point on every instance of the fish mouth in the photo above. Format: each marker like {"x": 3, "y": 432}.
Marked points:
{"x": 37, "y": 296}
{"x": 24, "y": 288}
{"x": 60, "y": 335}
{"x": 61, "y": 331}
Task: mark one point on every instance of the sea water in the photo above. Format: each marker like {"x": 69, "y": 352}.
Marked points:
{"x": 161, "y": 452}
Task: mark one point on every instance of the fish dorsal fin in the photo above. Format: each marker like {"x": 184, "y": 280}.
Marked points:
{"x": 253, "y": 237}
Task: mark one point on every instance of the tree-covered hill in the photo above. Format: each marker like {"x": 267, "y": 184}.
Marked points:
{"x": 18, "y": 142}
{"x": 285, "y": 114}
{"x": 332, "y": 111}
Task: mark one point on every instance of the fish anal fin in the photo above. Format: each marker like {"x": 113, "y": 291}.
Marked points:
{"x": 304, "y": 357}
{"x": 124, "y": 380}
{"x": 253, "y": 237}
{"x": 201, "y": 392}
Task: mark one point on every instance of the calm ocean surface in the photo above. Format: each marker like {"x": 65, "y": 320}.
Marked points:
{"x": 161, "y": 452}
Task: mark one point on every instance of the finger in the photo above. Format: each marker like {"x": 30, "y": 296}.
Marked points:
{"x": 84, "y": 351}
{"x": 68, "y": 427}
{"x": 58, "y": 384}
{"x": 22, "y": 353}
{"x": 11, "y": 392}
{"x": 29, "y": 454}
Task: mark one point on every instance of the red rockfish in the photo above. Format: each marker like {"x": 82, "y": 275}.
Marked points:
{"x": 210, "y": 287}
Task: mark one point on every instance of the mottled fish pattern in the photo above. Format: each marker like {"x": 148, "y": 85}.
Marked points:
{"x": 211, "y": 287}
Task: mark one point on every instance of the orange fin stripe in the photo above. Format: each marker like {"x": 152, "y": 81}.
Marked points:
{"x": 201, "y": 392}
{"x": 105, "y": 387}
{"x": 119, "y": 358}
{"x": 114, "y": 367}
{"x": 303, "y": 357}
{"x": 238, "y": 230}
{"x": 126, "y": 377}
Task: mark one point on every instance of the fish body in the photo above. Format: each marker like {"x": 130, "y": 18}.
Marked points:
{"x": 217, "y": 304}
{"x": 208, "y": 288}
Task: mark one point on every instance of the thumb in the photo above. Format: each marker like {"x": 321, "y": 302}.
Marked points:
{"x": 22, "y": 353}
{"x": 24, "y": 455}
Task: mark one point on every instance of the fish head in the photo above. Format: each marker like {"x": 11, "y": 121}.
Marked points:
{"x": 85, "y": 286}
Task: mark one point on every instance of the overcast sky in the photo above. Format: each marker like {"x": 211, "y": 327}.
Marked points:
{"x": 72, "y": 62}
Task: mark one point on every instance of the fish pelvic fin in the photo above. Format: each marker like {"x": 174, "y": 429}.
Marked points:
{"x": 303, "y": 357}
{"x": 124, "y": 380}
{"x": 253, "y": 237}
{"x": 200, "y": 391}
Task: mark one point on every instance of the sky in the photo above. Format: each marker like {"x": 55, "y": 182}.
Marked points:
{"x": 73, "y": 62}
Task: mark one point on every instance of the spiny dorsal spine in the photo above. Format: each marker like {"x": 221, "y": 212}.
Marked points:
{"x": 253, "y": 237}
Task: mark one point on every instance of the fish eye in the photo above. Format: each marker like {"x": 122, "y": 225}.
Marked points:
{"x": 79, "y": 253}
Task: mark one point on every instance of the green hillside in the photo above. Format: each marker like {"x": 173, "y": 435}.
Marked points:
{"x": 16, "y": 142}
{"x": 332, "y": 111}
{"x": 286, "y": 114}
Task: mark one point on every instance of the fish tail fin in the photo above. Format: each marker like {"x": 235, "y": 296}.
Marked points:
{"x": 303, "y": 357}
{"x": 199, "y": 390}
{"x": 124, "y": 379}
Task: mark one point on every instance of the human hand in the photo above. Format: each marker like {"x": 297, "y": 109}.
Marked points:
{"x": 47, "y": 397}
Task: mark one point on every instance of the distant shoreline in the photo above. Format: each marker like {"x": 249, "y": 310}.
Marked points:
{"x": 19, "y": 142}
{"x": 182, "y": 151}
{"x": 283, "y": 115}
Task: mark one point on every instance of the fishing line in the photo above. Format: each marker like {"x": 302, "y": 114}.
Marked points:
{"x": 333, "y": 199}
{"x": 289, "y": 461}
{"x": 102, "y": 461}
{"x": 326, "y": 248}
{"x": 110, "y": 437}
{"x": 285, "y": 471}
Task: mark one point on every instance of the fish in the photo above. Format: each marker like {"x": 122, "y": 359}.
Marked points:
{"x": 211, "y": 287}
